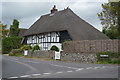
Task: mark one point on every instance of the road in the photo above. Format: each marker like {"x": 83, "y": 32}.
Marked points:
{"x": 18, "y": 67}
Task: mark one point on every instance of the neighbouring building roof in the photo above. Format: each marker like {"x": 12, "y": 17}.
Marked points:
{"x": 22, "y": 31}
{"x": 66, "y": 19}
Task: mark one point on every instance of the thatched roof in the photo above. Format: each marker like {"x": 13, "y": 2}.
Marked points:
{"x": 22, "y": 31}
{"x": 66, "y": 19}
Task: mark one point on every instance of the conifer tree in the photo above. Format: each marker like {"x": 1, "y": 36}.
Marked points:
{"x": 14, "y": 28}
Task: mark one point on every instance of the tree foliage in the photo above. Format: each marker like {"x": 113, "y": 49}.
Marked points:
{"x": 110, "y": 19}
{"x": 14, "y": 29}
{"x": 13, "y": 41}
{"x": 4, "y": 31}
{"x": 9, "y": 43}
{"x": 119, "y": 18}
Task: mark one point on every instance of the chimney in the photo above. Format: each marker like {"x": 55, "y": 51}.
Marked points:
{"x": 53, "y": 10}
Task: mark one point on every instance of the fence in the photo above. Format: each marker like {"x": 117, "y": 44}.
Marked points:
{"x": 91, "y": 46}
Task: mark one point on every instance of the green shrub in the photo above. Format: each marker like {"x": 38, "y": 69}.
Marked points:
{"x": 9, "y": 43}
{"x": 110, "y": 54}
{"x": 16, "y": 51}
{"x": 112, "y": 57}
{"x": 55, "y": 48}
{"x": 26, "y": 47}
{"x": 116, "y": 61}
{"x": 11, "y": 54}
{"x": 36, "y": 47}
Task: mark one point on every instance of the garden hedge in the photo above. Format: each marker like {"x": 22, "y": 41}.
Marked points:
{"x": 55, "y": 48}
{"x": 36, "y": 47}
{"x": 26, "y": 47}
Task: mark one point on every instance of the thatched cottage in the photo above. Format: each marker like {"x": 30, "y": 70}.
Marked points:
{"x": 59, "y": 26}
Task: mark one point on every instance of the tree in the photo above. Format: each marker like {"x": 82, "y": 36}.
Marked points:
{"x": 4, "y": 30}
{"x": 119, "y": 18}
{"x": 9, "y": 43}
{"x": 14, "y": 29}
{"x": 14, "y": 41}
{"x": 110, "y": 19}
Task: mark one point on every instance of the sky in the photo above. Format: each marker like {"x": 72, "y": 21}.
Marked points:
{"x": 29, "y": 11}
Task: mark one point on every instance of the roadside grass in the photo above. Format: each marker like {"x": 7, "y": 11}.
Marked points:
{"x": 46, "y": 59}
{"x": 17, "y": 55}
{"x": 113, "y": 58}
{"x": 39, "y": 58}
{"x": 102, "y": 62}
{"x": 117, "y": 61}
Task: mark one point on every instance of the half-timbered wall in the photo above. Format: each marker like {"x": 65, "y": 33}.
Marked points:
{"x": 45, "y": 40}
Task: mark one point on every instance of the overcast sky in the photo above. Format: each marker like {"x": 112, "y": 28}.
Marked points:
{"x": 27, "y": 12}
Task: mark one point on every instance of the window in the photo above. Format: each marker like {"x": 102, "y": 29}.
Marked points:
{"x": 35, "y": 39}
{"x": 39, "y": 37}
{"x": 29, "y": 39}
{"x": 57, "y": 39}
{"x": 43, "y": 36}
{"x": 48, "y": 39}
{"x": 40, "y": 40}
{"x": 53, "y": 34}
{"x": 53, "y": 39}
{"x": 49, "y": 35}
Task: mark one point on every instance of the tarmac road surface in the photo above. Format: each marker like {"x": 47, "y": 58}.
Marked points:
{"x": 18, "y": 67}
